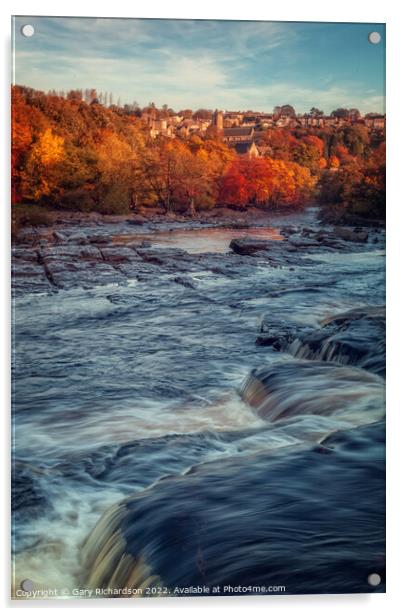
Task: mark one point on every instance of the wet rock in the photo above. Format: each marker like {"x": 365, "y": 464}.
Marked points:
{"x": 29, "y": 277}
{"x": 70, "y": 254}
{"x": 29, "y": 235}
{"x": 355, "y": 337}
{"x": 59, "y": 237}
{"x": 78, "y": 238}
{"x": 350, "y": 236}
{"x": 138, "y": 270}
{"x": 249, "y": 245}
{"x": 83, "y": 274}
{"x": 307, "y": 232}
{"x": 119, "y": 254}
{"x": 185, "y": 281}
{"x": 289, "y": 230}
{"x": 27, "y": 274}
{"x": 169, "y": 259}
{"x": 99, "y": 239}
{"x": 268, "y": 340}
{"x": 367, "y": 312}
{"x": 303, "y": 242}
{"x": 24, "y": 254}
{"x": 68, "y": 266}
{"x": 275, "y": 333}
{"x": 321, "y": 235}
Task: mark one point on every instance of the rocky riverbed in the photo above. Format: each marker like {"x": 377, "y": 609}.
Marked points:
{"x": 87, "y": 253}
{"x": 179, "y": 384}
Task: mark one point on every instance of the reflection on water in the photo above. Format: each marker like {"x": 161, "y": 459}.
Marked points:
{"x": 201, "y": 240}
{"x": 117, "y": 387}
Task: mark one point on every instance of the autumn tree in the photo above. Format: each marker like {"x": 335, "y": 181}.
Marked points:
{"x": 191, "y": 178}
{"x": 158, "y": 170}
{"x": 355, "y": 138}
{"x": 281, "y": 143}
{"x": 340, "y": 112}
{"x": 356, "y": 187}
{"x": 202, "y": 114}
{"x": 41, "y": 174}
{"x": 285, "y": 111}
{"x": 307, "y": 155}
{"x": 21, "y": 139}
{"x": 315, "y": 112}
{"x": 75, "y": 95}
{"x": 266, "y": 182}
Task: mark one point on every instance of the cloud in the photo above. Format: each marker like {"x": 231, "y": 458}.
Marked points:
{"x": 187, "y": 63}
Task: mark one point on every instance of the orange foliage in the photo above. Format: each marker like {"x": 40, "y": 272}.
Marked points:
{"x": 38, "y": 177}
{"x": 342, "y": 153}
{"x": 267, "y": 182}
{"x": 21, "y": 138}
{"x": 333, "y": 162}
{"x": 315, "y": 142}
{"x": 81, "y": 156}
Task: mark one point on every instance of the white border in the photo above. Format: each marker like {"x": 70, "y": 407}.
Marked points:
{"x": 291, "y": 10}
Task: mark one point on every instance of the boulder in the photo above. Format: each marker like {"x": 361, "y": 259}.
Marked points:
{"x": 249, "y": 245}
{"x": 355, "y": 337}
{"x": 350, "y": 236}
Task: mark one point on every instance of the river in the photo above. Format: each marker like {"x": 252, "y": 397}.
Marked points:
{"x": 140, "y": 389}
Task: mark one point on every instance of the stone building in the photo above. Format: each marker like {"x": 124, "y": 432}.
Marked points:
{"x": 246, "y": 148}
{"x": 217, "y": 119}
{"x": 237, "y": 134}
{"x": 375, "y": 121}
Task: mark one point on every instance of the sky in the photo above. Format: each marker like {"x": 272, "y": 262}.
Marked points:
{"x": 229, "y": 65}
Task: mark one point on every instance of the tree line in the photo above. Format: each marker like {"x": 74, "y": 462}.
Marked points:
{"x": 77, "y": 154}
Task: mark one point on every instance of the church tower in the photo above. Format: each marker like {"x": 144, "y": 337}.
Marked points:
{"x": 217, "y": 119}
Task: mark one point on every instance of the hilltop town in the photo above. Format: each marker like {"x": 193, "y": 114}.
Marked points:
{"x": 245, "y": 131}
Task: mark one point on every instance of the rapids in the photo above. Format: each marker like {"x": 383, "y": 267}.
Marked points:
{"x": 156, "y": 444}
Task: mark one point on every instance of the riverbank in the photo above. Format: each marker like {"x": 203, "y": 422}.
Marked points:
{"x": 40, "y": 216}
{"x": 27, "y": 217}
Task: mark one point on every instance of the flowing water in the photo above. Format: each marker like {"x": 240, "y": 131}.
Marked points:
{"x": 119, "y": 386}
